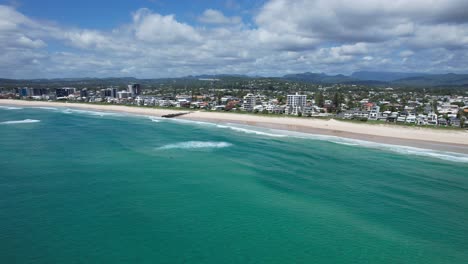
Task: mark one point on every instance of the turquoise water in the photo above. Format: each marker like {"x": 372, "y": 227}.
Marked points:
{"x": 86, "y": 187}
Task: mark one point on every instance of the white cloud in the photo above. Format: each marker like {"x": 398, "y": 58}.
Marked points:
{"x": 333, "y": 36}
{"x": 359, "y": 20}
{"x": 211, "y": 16}
{"x": 156, "y": 28}
{"x": 406, "y": 53}
{"x": 29, "y": 43}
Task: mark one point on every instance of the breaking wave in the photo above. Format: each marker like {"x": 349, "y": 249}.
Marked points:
{"x": 196, "y": 145}
{"x": 155, "y": 119}
{"x": 404, "y": 150}
{"x": 251, "y": 131}
{"x": 10, "y": 107}
{"x": 46, "y": 108}
{"x": 87, "y": 112}
{"x": 25, "y": 121}
{"x": 237, "y": 128}
{"x": 444, "y": 155}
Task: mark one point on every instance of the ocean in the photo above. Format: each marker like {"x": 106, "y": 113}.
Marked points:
{"x": 92, "y": 187}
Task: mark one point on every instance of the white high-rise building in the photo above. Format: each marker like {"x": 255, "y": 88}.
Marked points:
{"x": 249, "y": 102}
{"x": 296, "y": 103}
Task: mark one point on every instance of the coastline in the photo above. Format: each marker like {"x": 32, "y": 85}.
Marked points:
{"x": 424, "y": 138}
{"x": 110, "y": 108}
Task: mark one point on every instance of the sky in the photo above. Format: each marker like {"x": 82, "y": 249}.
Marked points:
{"x": 163, "y": 38}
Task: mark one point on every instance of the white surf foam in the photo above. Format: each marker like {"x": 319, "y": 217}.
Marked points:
{"x": 25, "y": 121}
{"x": 191, "y": 122}
{"x": 10, "y": 107}
{"x": 196, "y": 145}
{"x": 46, "y": 108}
{"x": 251, "y": 131}
{"x": 404, "y": 150}
{"x": 235, "y": 127}
{"x": 87, "y": 112}
{"x": 155, "y": 119}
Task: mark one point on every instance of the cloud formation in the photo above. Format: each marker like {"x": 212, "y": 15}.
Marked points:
{"x": 334, "y": 36}
{"x": 211, "y": 16}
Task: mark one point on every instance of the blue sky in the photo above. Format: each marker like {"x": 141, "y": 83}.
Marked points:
{"x": 109, "y": 14}
{"x": 159, "y": 38}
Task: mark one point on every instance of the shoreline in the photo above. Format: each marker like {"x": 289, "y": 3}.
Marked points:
{"x": 100, "y": 107}
{"x": 422, "y": 144}
{"x": 424, "y": 138}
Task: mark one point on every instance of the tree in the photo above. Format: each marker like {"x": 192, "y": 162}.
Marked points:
{"x": 338, "y": 99}
{"x": 281, "y": 99}
{"x": 434, "y": 105}
{"x": 319, "y": 99}
{"x": 419, "y": 109}
{"x": 460, "y": 104}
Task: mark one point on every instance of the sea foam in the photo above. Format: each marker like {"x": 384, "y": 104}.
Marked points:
{"x": 252, "y": 131}
{"x": 77, "y": 111}
{"x": 87, "y": 112}
{"x": 196, "y": 145}
{"x": 10, "y": 107}
{"x": 404, "y": 150}
{"x": 237, "y": 128}
{"x": 25, "y": 121}
{"x": 154, "y": 119}
{"x": 46, "y": 108}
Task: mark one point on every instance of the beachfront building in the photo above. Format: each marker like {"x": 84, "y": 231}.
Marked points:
{"x": 446, "y": 109}
{"x": 64, "y": 92}
{"x": 374, "y": 113}
{"x": 139, "y": 100}
{"x": 109, "y": 92}
{"x": 34, "y": 93}
{"x": 183, "y": 100}
{"x": 274, "y": 109}
{"x": 249, "y": 102}
{"x": 432, "y": 118}
{"x": 295, "y": 104}
{"x": 134, "y": 89}
{"x": 411, "y": 118}
{"x": 123, "y": 95}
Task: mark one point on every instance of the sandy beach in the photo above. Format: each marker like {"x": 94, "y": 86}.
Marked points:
{"x": 445, "y": 140}
{"x": 97, "y": 107}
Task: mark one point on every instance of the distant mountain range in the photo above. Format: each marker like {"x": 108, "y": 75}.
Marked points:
{"x": 318, "y": 78}
{"x": 401, "y": 79}
{"x": 383, "y": 78}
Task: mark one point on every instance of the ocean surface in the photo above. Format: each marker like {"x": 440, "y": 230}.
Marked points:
{"x": 90, "y": 187}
